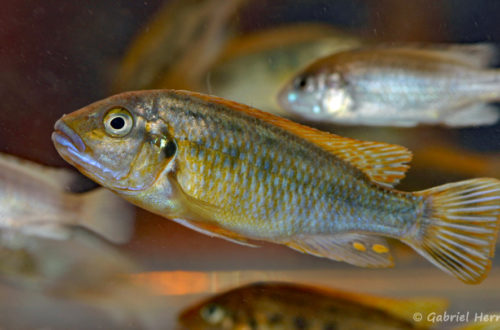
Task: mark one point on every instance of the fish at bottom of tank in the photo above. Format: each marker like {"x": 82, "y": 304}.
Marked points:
{"x": 276, "y": 305}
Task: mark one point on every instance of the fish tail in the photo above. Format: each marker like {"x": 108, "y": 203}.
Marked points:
{"x": 108, "y": 215}
{"x": 458, "y": 227}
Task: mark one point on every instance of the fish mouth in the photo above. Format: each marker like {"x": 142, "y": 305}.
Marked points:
{"x": 73, "y": 150}
{"x": 283, "y": 98}
{"x": 66, "y": 137}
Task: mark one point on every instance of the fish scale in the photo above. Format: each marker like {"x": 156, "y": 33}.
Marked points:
{"x": 301, "y": 211}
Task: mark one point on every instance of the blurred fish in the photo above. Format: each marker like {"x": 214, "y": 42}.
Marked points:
{"x": 458, "y": 161}
{"x": 398, "y": 86}
{"x": 167, "y": 52}
{"x": 252, "y": 68}
{"x": 80, "y": 268}
{"x": 486, "y": 321}
{"x": 291, "y": 306}
{"x": 235, "y": 172}
{"x": 35, "y": 200}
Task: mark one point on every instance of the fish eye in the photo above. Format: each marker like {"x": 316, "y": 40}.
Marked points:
{"x": 212, "y": 313}
{"x": 118, "y": 122}
{"x": 300, "y": 82}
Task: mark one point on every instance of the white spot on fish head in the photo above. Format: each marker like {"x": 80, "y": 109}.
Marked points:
{"x": 292, "y": 97}
{"x": 337, "y": 104}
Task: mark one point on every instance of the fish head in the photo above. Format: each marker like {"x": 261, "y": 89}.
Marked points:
{"x": 119, "y": 142}
{"x": 234, "y": 309}
{"x": 316, "y": 94}
{"x": 248, "y": 307}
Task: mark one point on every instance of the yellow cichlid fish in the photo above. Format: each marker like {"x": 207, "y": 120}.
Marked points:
{"x": 292, "y": 306}
{"x": 231, "y": 171}
{"x": 167, "y": 51}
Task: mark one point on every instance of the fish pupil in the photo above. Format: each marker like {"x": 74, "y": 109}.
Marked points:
{"x": 170, "y": 149}
{"x": 117, "y": 123}
{"x": 301, "y": 82}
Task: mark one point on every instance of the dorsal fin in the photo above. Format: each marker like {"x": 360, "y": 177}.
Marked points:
{"x": 479, "y": 55}
{"x": 402, "y": 308}
{"x": 382, "y": 162}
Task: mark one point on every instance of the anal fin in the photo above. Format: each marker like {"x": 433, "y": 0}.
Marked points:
{"x": 357, "y": 249}
{"x": 476, "y": 114}
{"x": 215, "y": 231}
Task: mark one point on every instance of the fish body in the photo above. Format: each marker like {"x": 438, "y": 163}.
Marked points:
{"x": 55, "y": 265}
{"x": 397, "y": 86}
{"x": 81, "y": 268}
{"x": 231, "y": 171}
{"x": 252, "y": 68}
{"x": 36, "y": 200}
{"x": 292, "y": 306}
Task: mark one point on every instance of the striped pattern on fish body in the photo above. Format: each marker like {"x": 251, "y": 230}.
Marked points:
{"x": 234, "y": 172}
{"x": 272, "y": 184}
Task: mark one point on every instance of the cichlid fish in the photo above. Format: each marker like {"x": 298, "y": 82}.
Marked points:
{"x": 398, "y": 86}
{"x": 232, "y": 171}
{"x": 291, "y": 306}
{"x": 167, "y": 52}
{"x": 80, "y": 268}
{"x": 35, "y": 199}
{"x": 253, "y": 67}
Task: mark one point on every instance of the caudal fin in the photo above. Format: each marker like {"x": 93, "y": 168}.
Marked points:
{"x": 107, "y": 215}
{"x": 459, "y": 226}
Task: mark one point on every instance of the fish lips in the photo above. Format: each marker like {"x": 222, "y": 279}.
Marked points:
{"x": 73, "y": 150}
{"x": 66, "y": 137}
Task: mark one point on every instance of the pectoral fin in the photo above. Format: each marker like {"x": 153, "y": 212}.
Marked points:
{"x": 199, "y": 215}
{"x": 357, "y": 249}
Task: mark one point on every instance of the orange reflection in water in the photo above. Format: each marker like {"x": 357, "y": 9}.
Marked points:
{"x": 176, "y": 282}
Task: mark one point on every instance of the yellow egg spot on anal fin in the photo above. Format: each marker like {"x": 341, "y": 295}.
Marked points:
{"x": 380, "y": 248}
{"x": 349, "y": 247}
{"x": 359, "y": 246}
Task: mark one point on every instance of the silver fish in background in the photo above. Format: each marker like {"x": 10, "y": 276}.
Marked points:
{"x": 271, "y": 305}
{"x": 81, "y": 268}
{"x": 253, "y": 67}
{"x": 35, "y": 200}
{"x": 398, "y": 86}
